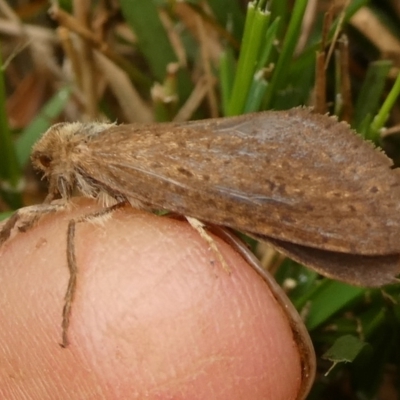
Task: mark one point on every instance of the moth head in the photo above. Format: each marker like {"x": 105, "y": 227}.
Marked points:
{"x": 52, "y": 155}
{"x": 59, "y": 152}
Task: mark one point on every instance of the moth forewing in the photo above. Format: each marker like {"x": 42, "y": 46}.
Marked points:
{"x": 293, "y": 176}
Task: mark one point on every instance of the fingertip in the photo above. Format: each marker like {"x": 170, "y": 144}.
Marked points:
{"x": 154, "y": 314}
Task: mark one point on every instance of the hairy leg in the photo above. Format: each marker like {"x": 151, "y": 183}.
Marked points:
{"x": 199, "y": 227}
{"x": 25, "y": 218}
{"x": 72, "y": 265}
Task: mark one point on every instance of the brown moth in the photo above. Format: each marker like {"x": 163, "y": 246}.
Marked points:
{"x": 303, "y": 182}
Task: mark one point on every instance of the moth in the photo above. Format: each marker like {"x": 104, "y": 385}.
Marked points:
{"x": 305, "y": 183}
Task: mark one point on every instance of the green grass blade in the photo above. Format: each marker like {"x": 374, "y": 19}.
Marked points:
{"x": 269, "y": 42}
{"x": 40, "y": 124}
{"x": 288, "y": 47}
{"x": 383, "y": 114}
{"x": 232, "y": 20}
{"x": 256, "y": 93}
{"x": 5, "y": 215}
{"x": 370, "y": 94}
{"x": 142, "y": 16}
{"x": 256, "y": 25}
{"x": 227, "y": 70}
{"x": 327, "y": 299}
{"x": 10, "y": 171}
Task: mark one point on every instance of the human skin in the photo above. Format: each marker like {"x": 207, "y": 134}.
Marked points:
{"x": 155, "y": 315}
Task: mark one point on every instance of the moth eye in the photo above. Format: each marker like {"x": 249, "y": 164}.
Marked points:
{"x": 45, "y": 160}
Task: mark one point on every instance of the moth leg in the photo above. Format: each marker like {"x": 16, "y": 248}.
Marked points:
{"x": 199, "y": 227}
{"x": 72, "y": 265}
{"x": 27, "y": 217}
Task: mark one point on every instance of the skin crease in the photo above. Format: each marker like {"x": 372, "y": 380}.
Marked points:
{"x": 153, "y": 316}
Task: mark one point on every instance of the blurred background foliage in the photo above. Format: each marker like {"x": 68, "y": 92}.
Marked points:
{"x": 153, "y": 61}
